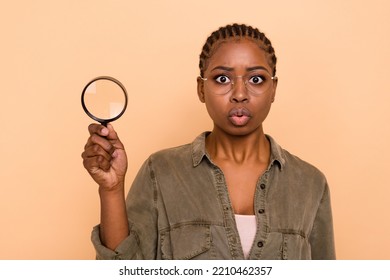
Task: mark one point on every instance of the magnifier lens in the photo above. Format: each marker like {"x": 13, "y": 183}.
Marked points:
{"x": 104, "y": 99}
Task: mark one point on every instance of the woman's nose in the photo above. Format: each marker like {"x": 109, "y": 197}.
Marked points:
{"x": 239, "y": 91}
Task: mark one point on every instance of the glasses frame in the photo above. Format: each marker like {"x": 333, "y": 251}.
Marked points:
{"x": 273, "y": 78}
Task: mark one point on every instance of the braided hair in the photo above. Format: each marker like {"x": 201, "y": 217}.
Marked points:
{"x": 236, "y": 31}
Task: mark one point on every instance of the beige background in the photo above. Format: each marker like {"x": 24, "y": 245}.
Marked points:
{"x": 331, "y": 107}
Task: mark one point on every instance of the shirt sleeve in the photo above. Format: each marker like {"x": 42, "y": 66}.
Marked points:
{"x": 322, "y": 237}
{"x": 142, "y": 216}
{"x": 127, "y": 249}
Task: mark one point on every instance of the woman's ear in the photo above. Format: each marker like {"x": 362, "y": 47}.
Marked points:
{"x": 275, "y": 85}
{"x": 200, "y": 89}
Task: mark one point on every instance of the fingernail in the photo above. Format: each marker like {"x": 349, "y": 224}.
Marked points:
{"x": 104, "y": 131}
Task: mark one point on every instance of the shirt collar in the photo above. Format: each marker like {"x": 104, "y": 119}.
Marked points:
{"x": 277, "y": 153}
{"x": 199, "y": 150}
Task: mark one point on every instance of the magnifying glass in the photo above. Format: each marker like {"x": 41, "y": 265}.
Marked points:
{"x": 104, "y": 99}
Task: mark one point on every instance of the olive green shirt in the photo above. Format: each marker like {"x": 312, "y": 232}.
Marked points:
{"x": 179, "y": 208}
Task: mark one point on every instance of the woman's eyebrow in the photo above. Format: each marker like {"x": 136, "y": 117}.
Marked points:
{"x": 256, "y": 68}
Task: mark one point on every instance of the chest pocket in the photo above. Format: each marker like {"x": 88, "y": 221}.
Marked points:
{"x": 184, "y": 242}
{"x": 286, "y": 245}
{"x": 295, "y": 247}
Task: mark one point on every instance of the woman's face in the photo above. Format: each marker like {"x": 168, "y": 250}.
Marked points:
{"x": 239, "y": 111}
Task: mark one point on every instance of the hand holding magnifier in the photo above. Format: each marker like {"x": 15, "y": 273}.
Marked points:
{"x": 104, "y": 99}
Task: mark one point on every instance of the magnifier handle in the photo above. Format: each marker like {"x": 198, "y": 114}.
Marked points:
{"x": 104, "y": 123}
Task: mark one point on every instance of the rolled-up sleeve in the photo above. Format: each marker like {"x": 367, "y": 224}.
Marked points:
{"x": 127, "y": 249}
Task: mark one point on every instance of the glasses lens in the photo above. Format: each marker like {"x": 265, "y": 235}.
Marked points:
{"x": 255, "y": 83}
{"x": 258, "y": 84}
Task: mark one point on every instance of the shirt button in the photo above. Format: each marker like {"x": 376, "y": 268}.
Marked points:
{"x": 262, "y": 186}
{"x": 261, "y": 211}
{"x": 260, "y": 244}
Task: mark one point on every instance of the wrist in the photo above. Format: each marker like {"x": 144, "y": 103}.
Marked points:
{"x": 115, "y": 190}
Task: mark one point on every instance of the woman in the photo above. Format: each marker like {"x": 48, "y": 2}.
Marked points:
{"x": 233, "y": 193}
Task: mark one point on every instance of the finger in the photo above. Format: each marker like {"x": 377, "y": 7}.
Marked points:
{"x": 114, "y": 139}
{"x": 105, "y": 144}
{"x": 108, "y": 133}
{"x": 99, "y": 129}
{"x": 94, "y": 164}
{"x": 96, "y": 150}
{"x": 112, "y": 135}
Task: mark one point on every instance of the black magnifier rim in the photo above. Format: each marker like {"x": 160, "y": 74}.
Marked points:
{"x": 104, "y": 121}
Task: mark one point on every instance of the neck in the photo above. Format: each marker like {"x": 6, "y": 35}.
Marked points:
{"x": 238, "y": 149}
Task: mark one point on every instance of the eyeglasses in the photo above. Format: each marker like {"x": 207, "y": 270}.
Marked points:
{"x": 256, "y": 83}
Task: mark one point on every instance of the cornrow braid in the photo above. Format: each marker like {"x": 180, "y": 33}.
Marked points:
{"x": 236, "y": 31}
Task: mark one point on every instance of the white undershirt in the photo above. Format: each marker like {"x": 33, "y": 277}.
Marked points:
{"x": 246, "y": 226}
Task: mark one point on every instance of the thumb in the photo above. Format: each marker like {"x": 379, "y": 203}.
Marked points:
{"x": 112, "y": 135}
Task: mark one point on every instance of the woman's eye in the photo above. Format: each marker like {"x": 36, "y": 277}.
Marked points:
{"x": 256, "y": 80}
{"x": 222, "y": 79}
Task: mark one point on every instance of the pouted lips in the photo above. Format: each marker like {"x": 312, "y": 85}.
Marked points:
{"x": 239, "y": 116}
